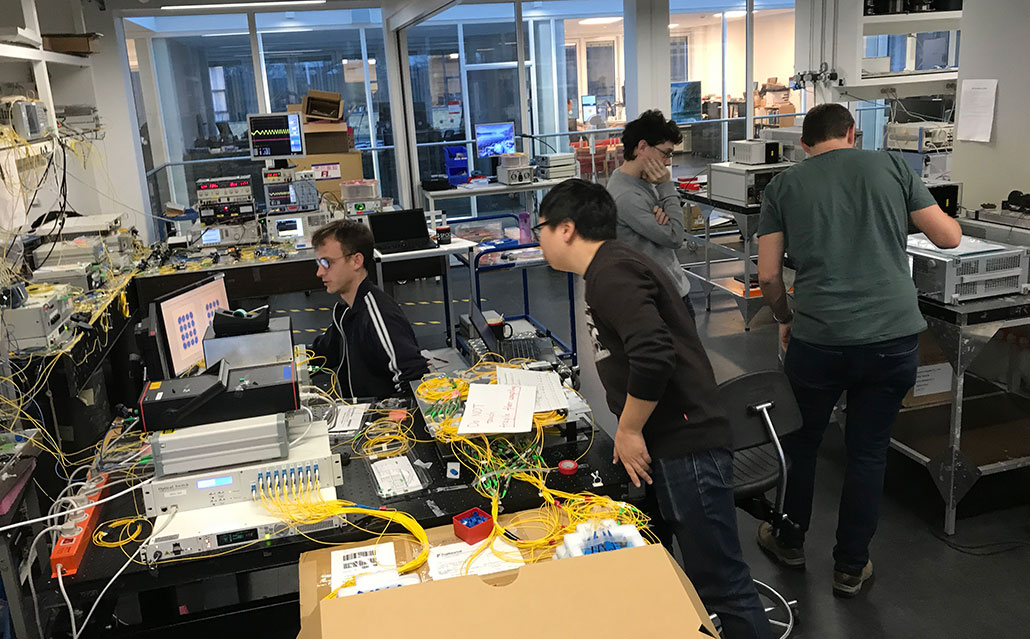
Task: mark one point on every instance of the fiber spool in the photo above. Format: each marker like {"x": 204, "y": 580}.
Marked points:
{"x": 567, "y": 467}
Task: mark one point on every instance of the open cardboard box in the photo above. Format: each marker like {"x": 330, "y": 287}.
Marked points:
{"x": 629, "y": 592}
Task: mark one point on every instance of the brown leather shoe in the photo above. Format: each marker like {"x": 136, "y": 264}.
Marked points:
{"x": 767, "y": 541}
{"x": 848, "y": 585}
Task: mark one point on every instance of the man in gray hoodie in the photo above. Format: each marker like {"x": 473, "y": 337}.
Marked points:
{"x": 650, "y": 217}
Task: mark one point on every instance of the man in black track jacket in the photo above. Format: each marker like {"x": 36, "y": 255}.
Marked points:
{"x": 370, "y": 343}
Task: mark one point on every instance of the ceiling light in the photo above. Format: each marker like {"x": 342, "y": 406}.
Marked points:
{"x": 453, "y": 56}
{"x": 735, "y": 14}
{"x": 590, "y": 21}
{"x": 219, "y": 35}
{"x": 239, "y": 5}
{"x": 673, "y": 25}
{"x": 344, "y": 61}
{"x": 371, "y": 60}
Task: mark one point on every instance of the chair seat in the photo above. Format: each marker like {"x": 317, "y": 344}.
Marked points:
{"x": 756, "y": 470}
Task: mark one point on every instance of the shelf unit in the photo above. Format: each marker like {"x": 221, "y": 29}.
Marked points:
{"x": 45, "y": 67}
{"x": 852, "y": 28}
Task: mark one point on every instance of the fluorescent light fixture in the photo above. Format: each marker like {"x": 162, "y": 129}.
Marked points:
{"x": 590, "y": 21}
{"x": 453, "y": 56}
{"x": 371, "y": 60}
{"x": 219, "y": 35}
{"x": 673, "y": 25}
{"x": 735, "y": 14}
{"x": 344, "y": 61}
{"x": 239, "y": 5}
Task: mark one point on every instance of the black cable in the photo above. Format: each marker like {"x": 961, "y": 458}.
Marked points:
{"x": 541, "y": 140}
{"x": 981, "y": 550}
{"x": 63, "y": 211}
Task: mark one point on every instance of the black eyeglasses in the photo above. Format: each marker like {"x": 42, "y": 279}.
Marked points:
{"x": 326, "y": 262}
{"x": 536, "y": 230}
{"x": 668, "y": 154}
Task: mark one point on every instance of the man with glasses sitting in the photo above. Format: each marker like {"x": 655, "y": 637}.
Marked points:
{"x": 650, "y": 218}
{"x": 370, "y": 344}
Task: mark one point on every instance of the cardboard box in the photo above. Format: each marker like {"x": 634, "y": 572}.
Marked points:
{"x": 933, "y": 377}
{"x": 77, "y": 43}
{"x": 693, "y": 220}
{"x": 322, "y": 104}
{"x": 331, "y": 169}
{"x": 653, "y": 598}
{"x": 323, "y": 137}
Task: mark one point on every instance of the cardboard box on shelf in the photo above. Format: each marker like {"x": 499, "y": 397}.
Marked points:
{"x": 331, "y": 169}
{"x": 76, "y": 43}
{"x": 933, "y": 377}
{"x": 692, "y": 217}
{"x": 650, "y": 587}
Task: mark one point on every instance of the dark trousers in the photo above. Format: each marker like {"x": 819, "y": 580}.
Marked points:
{"x": 695, "y": 498}
{"x": 690, "y": 307}
{"x": 876, "y": 378}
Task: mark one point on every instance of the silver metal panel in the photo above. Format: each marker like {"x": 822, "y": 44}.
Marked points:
{"x": 240, "y": 441}
{"x": 273, "y": 346}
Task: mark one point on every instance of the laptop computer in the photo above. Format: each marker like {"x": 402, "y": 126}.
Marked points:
{"x": 534, "y": 348}
{"x": 400, "y": 231}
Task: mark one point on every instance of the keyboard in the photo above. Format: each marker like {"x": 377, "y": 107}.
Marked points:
{"x": 405, "y": 245}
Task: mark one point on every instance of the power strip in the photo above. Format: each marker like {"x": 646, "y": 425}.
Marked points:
{"x": 69, "y": 549}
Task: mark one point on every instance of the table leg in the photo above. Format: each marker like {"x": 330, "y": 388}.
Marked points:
{"x": 379, "y": 274}
{"x": 472, "y": 279}
{"x": 954, "y": 443}
{"x": 708, "y": 260}
{"x": 572, "y": 319}
{"x": 451, "y": 340}
{"x": 747, "y": 280}
{"x": 20, "y": 613}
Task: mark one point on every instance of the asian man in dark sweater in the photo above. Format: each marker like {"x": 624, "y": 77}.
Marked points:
{"x": 672, "y": 432}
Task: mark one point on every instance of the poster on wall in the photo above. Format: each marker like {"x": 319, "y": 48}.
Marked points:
{"x": 976, "y": 110}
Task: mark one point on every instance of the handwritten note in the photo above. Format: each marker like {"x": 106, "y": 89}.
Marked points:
{"x": 550, "y": 395}
{"x": 498, "y": 408}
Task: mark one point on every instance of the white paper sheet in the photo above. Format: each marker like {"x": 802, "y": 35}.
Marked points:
{"x": 348, "y": 418}
{"x": 396, "y": 476}
{"x": 447, "y": 561}
{"x": 498, "y": 408}
{"x": 351, "y": 562}
{"x": 932, "y": 378}
{"x": 550, "y": 395}
{"x": 976, "y": 110}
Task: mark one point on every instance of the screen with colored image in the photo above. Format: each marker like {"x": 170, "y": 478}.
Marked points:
{"x": 275, "y": 136}
{"x": 185, "y": 317}
{"x": 495, "y": 139}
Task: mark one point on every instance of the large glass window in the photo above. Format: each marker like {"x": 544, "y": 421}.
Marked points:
{"x": 601, "y": 78}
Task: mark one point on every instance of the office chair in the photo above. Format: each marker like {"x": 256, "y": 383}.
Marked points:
{"x": 761, "y": 409}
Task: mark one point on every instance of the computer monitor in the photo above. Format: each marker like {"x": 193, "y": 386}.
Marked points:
{"x": 589, "y": 109}
{"x": 275, "y": 136}
{"x": 495, "y": 139}
{"x": 398, "y": 226}
{"x": 184, "y": 315}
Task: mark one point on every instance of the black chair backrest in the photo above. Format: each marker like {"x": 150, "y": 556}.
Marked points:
{"x": 741, "y": 394}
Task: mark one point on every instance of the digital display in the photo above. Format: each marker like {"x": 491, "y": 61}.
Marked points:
{"x": 281, "y": 194}
{"x": 275, "y": 136}
{"x": 211, "y": 236}
{"x": 495, "y": 139}
{"x": 292, "y": 227}
{"x": 214, "y": 482}
{"x": 236, "y": 537}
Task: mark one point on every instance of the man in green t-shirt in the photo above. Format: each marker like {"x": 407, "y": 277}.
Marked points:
{"x": 842, "y": 216}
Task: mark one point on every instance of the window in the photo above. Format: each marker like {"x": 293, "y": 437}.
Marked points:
{"x": 220, "y": 104}
{"x": 678, "y": 58}
{"x": 572, "y": 79}
{"x": 601, "y": 72}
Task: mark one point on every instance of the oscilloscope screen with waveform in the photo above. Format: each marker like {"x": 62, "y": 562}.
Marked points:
{"x": 275, "y": 136}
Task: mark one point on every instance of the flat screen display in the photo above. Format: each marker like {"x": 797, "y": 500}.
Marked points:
{"x": 275, "y": 136}
{"x": 495, "y": 139}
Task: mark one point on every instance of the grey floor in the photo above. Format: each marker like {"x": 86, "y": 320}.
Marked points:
{"x": 923, "y": 587}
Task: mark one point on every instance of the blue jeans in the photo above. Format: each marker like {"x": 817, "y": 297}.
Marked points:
{"x": 695, "y": 497}
{"x": 876, "y": 378}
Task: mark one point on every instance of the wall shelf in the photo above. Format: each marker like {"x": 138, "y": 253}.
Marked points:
{"x": 14, "y": 53}
{"x": 896, "y": 24}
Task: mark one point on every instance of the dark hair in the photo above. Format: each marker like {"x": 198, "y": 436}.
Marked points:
{"x": 588, "y": 206}
{"x": 354, "y": 237}
{"x": 824, "y": 122}
{"x": 653, "y": 128}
